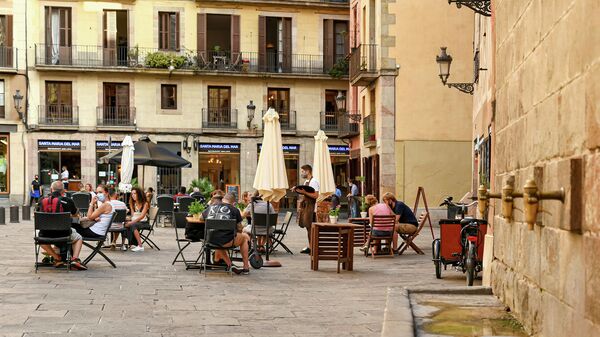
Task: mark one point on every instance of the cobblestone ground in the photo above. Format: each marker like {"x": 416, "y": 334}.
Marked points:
{"x": 146, "y": 295}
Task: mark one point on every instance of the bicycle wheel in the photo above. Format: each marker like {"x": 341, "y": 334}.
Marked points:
{"x": 437, "y": 261}
{"x": 470, "y": 263}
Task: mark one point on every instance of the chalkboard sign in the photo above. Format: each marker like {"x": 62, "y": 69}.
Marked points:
{"x": 233, "y": 189}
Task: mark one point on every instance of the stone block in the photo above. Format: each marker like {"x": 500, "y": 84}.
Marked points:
{"x": 558, "y": 317}
{"x": 591, "y": 247}
{"x": 592, "y": 193}
{"x": 571, "y": 270}
{"x": 570, "y": 102}
{"x": 550, "y": 267}
{"x": 592, "y": 107}
{"x": 529, "y": 252}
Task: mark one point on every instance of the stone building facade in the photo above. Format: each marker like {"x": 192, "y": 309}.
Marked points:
{"x": 547, "y": 122}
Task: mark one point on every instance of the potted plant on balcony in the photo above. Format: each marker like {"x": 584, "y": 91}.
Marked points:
{"x": 245, "y": 65}
{"x": 196, "y": 209}
{"x": 334, "y": 213}
{"x": 133, "y": 55}
{"x": 339, "y": 69}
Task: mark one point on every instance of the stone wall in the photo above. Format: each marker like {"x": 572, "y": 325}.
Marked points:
{"x": 548, "y": 128}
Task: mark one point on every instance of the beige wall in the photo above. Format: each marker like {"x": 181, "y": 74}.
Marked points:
{"x": 548, "y": 96}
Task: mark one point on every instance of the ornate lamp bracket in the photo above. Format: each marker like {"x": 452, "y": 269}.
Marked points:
{"x": 482, "y": 7}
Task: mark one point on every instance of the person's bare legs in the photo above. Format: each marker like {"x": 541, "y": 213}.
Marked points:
{"x": 241, "y": 240}
{"x": 115, "y": 236}
{"x": 77, "y": 248}
{"x": 50, "y": 251}
{"x": 221, "y": 254}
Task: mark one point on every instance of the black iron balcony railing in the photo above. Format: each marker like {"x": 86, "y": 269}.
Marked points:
{"x": 8, "y": 57}
{"x": 363, "y": 59}
{"x": 348, "y": 123}
{"x": 121, "y": 115}
{"x": 58, "y": 115}
{"x": 219, "y": 118}
{"x": 287, "y": 119}
{"x": 329, "y": 121}
{"x": 369, "y": 134}
{"x": 152, "y": 58}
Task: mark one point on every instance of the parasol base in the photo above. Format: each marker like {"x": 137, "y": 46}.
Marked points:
{"x": 271, "y": 264}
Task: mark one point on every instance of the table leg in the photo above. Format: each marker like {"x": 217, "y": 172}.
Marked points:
{"x": 350, "y": 249}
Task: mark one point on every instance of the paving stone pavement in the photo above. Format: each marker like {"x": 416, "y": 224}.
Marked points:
{"x": 147, "y": 296}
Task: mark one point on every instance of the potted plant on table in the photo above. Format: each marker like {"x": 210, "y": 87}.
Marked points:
{"x": 334, "y": 213}
{"x": 364, "y": 208}
{"x": 196, "y": 208}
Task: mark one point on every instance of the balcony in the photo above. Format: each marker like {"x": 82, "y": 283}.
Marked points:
{"x": 329, "y": 121}
{"x": 363, "y": 65}
{"x": 341, "y": 4}
{"x": 369, "y": 138}
{"x": 348, "y": 124}
{"x": 58, "y": 115}
{"x": 80, "y": 57}
{"x": 8, "y": 59}
{"x": 115, "y": 117}
{"x": 287, "y": 120}
{"x": 219, "y": 119}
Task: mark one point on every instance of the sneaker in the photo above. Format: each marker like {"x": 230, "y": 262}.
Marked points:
{"x": 306, "y": 250}
{"x": 137, "y": 249}
{"x": 113, "y": 247}
{"x": 240, "y": 271}
{"x": 76, "y": 264}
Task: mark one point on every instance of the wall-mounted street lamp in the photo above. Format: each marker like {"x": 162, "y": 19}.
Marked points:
{"x": 186, "y": 145}
{"x": 340, "y": 102}
{"x": 483, "y": 7}
{"x": 18, "y": 100}
{"x": 250, "y": 108}
{"x": 444, "y": 61}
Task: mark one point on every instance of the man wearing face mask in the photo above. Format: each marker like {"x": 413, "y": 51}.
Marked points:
{"x": 307, "y": 201}
{"x": 99, "y": 215}
{"x": 36, "y": 190}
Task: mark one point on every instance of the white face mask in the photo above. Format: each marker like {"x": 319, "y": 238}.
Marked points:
{"x": 101, "y": 197}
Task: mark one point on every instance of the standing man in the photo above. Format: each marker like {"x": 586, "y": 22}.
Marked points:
{"x": 352, "y": 198}
{"x": 64, "y": 176}
{"x": 36, "y": 190}
{"x": 308, "y": 201}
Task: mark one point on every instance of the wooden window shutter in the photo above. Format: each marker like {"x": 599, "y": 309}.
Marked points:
{"x": 287, "y": 44}
{"x": 8, "y": 62}
{"x": 201, "y": 34}
{"x": 262, "y": 43}
{"x": 347, "y": 38}
{"x": 176, "y": 31}
{"x": 48, "y": 26}
{"x": 162, "y": 33}
{"x": 235, "y": 36}
{"x": 328, "y": 44}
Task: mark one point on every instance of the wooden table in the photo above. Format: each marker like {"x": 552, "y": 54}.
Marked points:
{"x": 360, "y": 236}
{"x": 332, "y": 242}
{"x": 194, "y": 220}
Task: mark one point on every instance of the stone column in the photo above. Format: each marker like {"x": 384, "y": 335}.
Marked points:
{"x": 386, "y": 133}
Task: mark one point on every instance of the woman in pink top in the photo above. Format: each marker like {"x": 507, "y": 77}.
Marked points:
{"x": 376, "y": 208}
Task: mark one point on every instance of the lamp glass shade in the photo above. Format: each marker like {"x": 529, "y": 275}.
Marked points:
{"x": 251, "y": 109}
{"x": 18, "y": 99}
{"x": 444, "y": 61}
{"x": 340, "y": 101}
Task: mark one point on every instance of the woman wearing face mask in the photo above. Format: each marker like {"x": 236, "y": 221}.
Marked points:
{"x": 99, "y": 215}
{"x": 138, "y": 206}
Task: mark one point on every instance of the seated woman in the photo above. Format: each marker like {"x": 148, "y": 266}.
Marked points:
{"x": 138, "y": 206}
{"x": 99, "y": 215}
{"x": 376, "y": 209}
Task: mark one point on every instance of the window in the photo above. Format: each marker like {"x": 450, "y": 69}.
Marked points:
{"x": 59, "y": 105}
{"x": 168, "y": 30}
{"x": 219, "y": 98}
{"x": 6, "y": 53}
{"x": 58, "y": 35}
{"x": 168, "y": 96}
{"x": 279, "y": 99}
{"x": 2, "y": 103}
{"x": 340, "y": 29}
{"x": 335, "y": 41}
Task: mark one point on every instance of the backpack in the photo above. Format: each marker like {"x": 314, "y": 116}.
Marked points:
{"x": 52, "y": 204}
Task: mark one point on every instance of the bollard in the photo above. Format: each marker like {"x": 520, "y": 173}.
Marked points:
{"x": 26, "y": 212}
{"x": 14, "y": 214}
{"x": 2, "y": 216}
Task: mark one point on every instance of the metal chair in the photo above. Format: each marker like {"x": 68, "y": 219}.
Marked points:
{"x": 279, "y": 234}
{"x": 182, "y": 241}
{"x": 211, "y": 228}
{"x": 82, "y": 201}
{"x": 199, "y": 197}
{"x": 166, "y": 206}
{"x": 184, "y": 203}
{"x": 45, "y": 223}
{"x": 120, "y": 217}
{"x": 97, "y": 248}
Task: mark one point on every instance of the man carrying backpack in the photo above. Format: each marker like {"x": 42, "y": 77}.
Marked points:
{"x": 57, "y": 203}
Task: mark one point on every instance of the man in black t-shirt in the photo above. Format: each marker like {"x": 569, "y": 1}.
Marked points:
{"x": 225, "y": 210}
{"x": 36, "y": 190}
{"x": 407, "y": 222}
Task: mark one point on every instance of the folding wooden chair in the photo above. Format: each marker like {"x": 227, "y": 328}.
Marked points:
{"x": 408, "y": 238}
{"x": 279, "y": 234}
{"x": 97, "y": 248}
{"x": 384, "y": 224}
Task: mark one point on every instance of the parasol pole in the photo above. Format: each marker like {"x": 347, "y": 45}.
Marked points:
{"x": 269, "y": 263}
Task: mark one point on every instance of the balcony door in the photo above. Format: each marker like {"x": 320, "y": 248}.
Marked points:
{"x": 335, "y": 42}
{"x": 218, "y": 39}
{"x": 115, "y": 40}
{"x": 331, "y": 113}
{"x": 279, "y": 99}
{"x": 6, "y": 41}
{"x": 275, "y": 44}
{"x": 116, "y": 104}
{"x": 58, "y": 35}
{"x": 59, "y": 103}
{"x": 219, "y": 106}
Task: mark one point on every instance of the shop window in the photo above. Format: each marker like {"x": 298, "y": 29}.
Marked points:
{"x": 168, "y": 30}
{"x": 168, "y": 96}
{"x": 2, "y": 102}
{"x": 169, "y": 179}
{"x": 220, "y": 163}
{"x": 4, "y": 164}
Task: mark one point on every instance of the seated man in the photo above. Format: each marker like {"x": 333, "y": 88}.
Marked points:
{"x": 222, "y": 208}
{"x": 182, "y": 193}
{"x": 407, "y": 222}
{"x": 260, "y": 207}
{"x": 56, "y": 202}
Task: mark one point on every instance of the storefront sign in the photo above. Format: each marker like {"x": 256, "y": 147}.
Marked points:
{"x": 339, "y": 150}
{"x": 103, "y": 145}
{"x": 59, "y": 145}
{"x": 218, "y": 148}
{"x": 287, "y": 148}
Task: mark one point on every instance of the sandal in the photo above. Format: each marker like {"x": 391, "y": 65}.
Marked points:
{"x": 76, "y": 264}
{"x": 58, "y": 263}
